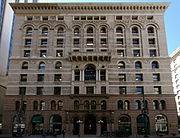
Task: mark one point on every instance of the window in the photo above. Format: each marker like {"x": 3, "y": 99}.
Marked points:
{"x": 76, "y": 41}
{"x": 151, "y": 41}
{"x": 134, "y": 17}
{"x": 26, "y": 53}
{"x": 155, "y": 105}
{"x": 53, "y": 105}
{"x": 60, "y": 18}
{"x": 28, "y": 42}
{"x": 29, "y": 31}
{"x": 60, "y": 31}
{"x": 156, "y": 77}
{"x": 77, "y": 75}
{"x": 103, "y": 89}
{"x": 76, "y": 17}
{"x": 42, "y": 66}
{"x": 90, "y": 90}
{"x": 103, "y": 105}
{"x": 122, "y": 90}
{"x": 139, "y": 77}
{"x": 40, "y": 77}
{"x": 76, "y": 89}
{"x": 89, "y": 41}
{"x": 24, "y": 65}
{"x": 103, "y": 30}
{"x": 152, "y": 53}
{"x": 59, "y": 53}
{"x": 83, "y": 17}
{"x": 23, "y": 78}
{"x": 102, "y": 75}
{"x": 60, "y": 105}
{"x": 96, "y": 17}
{"x": 137, "y": 105}
{"x": 22, "y": 90}
{"x": 136, "y": 53}
{"x": 93, "y": 105}
{"x": 86, "y": 105}
{"x": 122, "y": 77}
{"x": 29, "y": 18}
{"x": 44, "y": 42}
{"x": 76, "y": 31}
{"x": 35, "y": 105}
{"x": 103, "y": 41}
{"x": 150, "y": 17}
{"x": 120, "y": 52}
{"x": 119, "y": 30}
{"x": 60, "y": 41}
{"x": 44, "y": 31}
{"x": 121, "y": 65}
{"x": 43, "y": 53}
{"x": 42, "y": 105}
{"x": 40, "y": 90}
{"x": 126, "y": 105}
{"x": 155, "y": 65}
{"x": 103, "y": 17}
{"x": 162, "y": 105}
{"x": 118, "y": 17}
{"x": 135, "y": 41}
{"x": 76, "y": 105}
{"x": 57, "y": 77}
{"x": 90, "y": 73}
{"x": 89, "y": 30}
{"x": 89, "y": 18}
{"x": 150, "y": 30}
{"x": 135, "y": 30}
{"x": 139, "y": 89}
{"x": 24, "y": 105}
{"x": 138, "y": 65}
{"x": 157, "y": 89}
{"x": 119, "y": 41}
{"x": 120, "y": 105}
{"x": 57, "y": 90}
{"x": 45, "y": 18}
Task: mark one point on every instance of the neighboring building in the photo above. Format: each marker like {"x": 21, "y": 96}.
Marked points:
{"x": 90, "y": 68}
{"x": 175, "y": 69}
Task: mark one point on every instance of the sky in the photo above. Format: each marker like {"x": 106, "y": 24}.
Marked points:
{"x": 172, "y": 18}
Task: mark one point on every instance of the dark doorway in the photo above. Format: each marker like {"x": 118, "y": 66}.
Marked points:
{"x": 76, "y": 126}
{"x": 103, "y": 125}
{"x": 124, "y": 126}
{"x": 56, "y": 124}
{"x": 37, "y": 124}
{"x": 90, "y": 125}
{"x": 143, "y": 124}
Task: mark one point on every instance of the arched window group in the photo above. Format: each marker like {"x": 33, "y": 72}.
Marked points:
{"x": 20, "y": 106}
{"x": 123, "y": 105}
{"x": 92, "y": 105}
{"x": 159, "y": 105}
{"x": 56, "y": 105}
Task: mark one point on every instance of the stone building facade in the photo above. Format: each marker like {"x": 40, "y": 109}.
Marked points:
{"x": 90, "y": 68}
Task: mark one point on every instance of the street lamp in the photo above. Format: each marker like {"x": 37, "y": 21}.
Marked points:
{"x": 79, "y": 122}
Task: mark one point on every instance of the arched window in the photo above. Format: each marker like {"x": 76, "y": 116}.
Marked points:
{"x": 93, "y": 105}
{"x": 29, "y": 31}
{"x": 162, "y": 105}
{"x": 120, "y": 105}
{"x": 161, "y": 124}
{"x": 35, "y": 105}
{"x": 119, "y": 30}
{"x": 90, "y": 73}
{"x": 42, "y": 66}
{"x": 24, "y": 105}
{"x": 76, "y": 105}
{"x": 53, "y": 105}
{"x": 24, "y": 65}
{"x": 138, "y": 65}
{"x": 126, "y": 105}
{"x": 60, "y": 30}
{"x": 150, "y": 30}
{"x": 42, "y": 105}
{"x": 103, "y": 105}
{"x": 60, "y": 105}
{"x": 155, "y": 105}
{"x": 103, "y": 30}
{"x": 121, "y": 65}
{"x": 17, "y": 106}
{"x": 86, "y": 105}
{"x": 58, "y": 65}
{"x": 137, "y": 105}
{"x": 89, "y": 30}
{"x": 45, "y": 31}
{"x": 155, "y": 65}
{"x": 76, "y": 30}
{"x": 135, "y": 30}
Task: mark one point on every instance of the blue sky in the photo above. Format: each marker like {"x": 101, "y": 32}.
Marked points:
{"x": 172, "y": 18}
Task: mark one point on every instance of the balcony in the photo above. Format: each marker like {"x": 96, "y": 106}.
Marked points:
{"x": 90, "y": 56}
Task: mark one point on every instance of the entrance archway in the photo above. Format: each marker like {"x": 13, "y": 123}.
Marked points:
{"x": 37, "y": 124}
{"x": 161, "y": 124}
{"x": 142, "y": 124}
{"x": 124, "y": 125}
{"x": 56, "y": 124}
{"x": 90, "y": 125}
{"x": 76, "y": 126}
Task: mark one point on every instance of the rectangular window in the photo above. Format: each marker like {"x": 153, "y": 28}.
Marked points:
{"x": 89, "y": 18}
{"x": 135, "y": 41}
{"x": 103, "y": 41}
{"x": 120, "y": 53}
{"x": 60, "y": 18}
{"x": 150, "y": 17}
{"x": 140, "y": 90}
{"x": 96, "y": 17}
{"x": 134, "y": 17}
{"x": 26, "y": 53}
{"x": 59, "y": 53}
{"x": 89, "y": 41}
{"x": 139, "y": 77}
{"x": 103, "y": 89}
{"x": 44, "y": 42}
{"x": 122, "y": 90}
{"x": 102, "y": 75}
{"x": 83, "y": 17}
{"x": 152, "y": 41}
{"x": 103, "y": 17}
{"x": 40, "y": 77}
{"x": 122, "y": 77}
{"x": 119, "y": 41}
{"x": 89, "y": 50}
{"x": 28, "y": 42}
{"x": 152, "y": 53}
{"x": 157, "y": 89}
{"x": 118, "y": 17}
{"x": 60, "y": 41}
{"x": 90, "y": 90}
{"x": 156, "y": 77}
{"x": 29, "y": 18}
{"x": 76, "y": 41}
{"x": 76, "y": 17}
{"x": 57, "y": 90}
{"x": 45, "y": 18}
{"x": 77, "y": 75}
{"x": 57, "y": 77}
{"x": 23, "y": 78}
{"x": 43, "y": 53}
{"x": 136, "y": 53}
{"x": 22, "y": 90}
{"x": 40, "y": 90}
{"x": 76, "y": 89}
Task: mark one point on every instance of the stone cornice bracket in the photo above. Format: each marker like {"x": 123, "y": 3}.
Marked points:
{"x": 89, "y": 7}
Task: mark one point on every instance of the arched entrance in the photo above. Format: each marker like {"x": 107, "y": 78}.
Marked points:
{"x": 124, "y": 125}
{"x": 37, "y": 124}
{"x": 90, "y": 125}
{"x": 103, "y": 125}
{"x": 56, "y": 124}
{"x": 76, "y": 126}
{"x": 142, "y": 124}
{"x": 161, "y": 124}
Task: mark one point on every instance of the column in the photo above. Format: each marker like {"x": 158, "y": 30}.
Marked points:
{"x": 72, "y": 75}
{"x": 97, "y": 72}
{"x": 106, "y": 75}
{"x": 82, "y": 75}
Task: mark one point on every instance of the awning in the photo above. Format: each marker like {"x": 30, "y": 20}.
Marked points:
{"x": 38, "y": 119}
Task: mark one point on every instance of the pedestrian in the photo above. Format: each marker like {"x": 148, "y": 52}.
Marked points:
{"x": 64, "y": 133}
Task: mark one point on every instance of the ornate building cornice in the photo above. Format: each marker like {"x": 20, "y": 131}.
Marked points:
{"x": 88, "y": 7}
